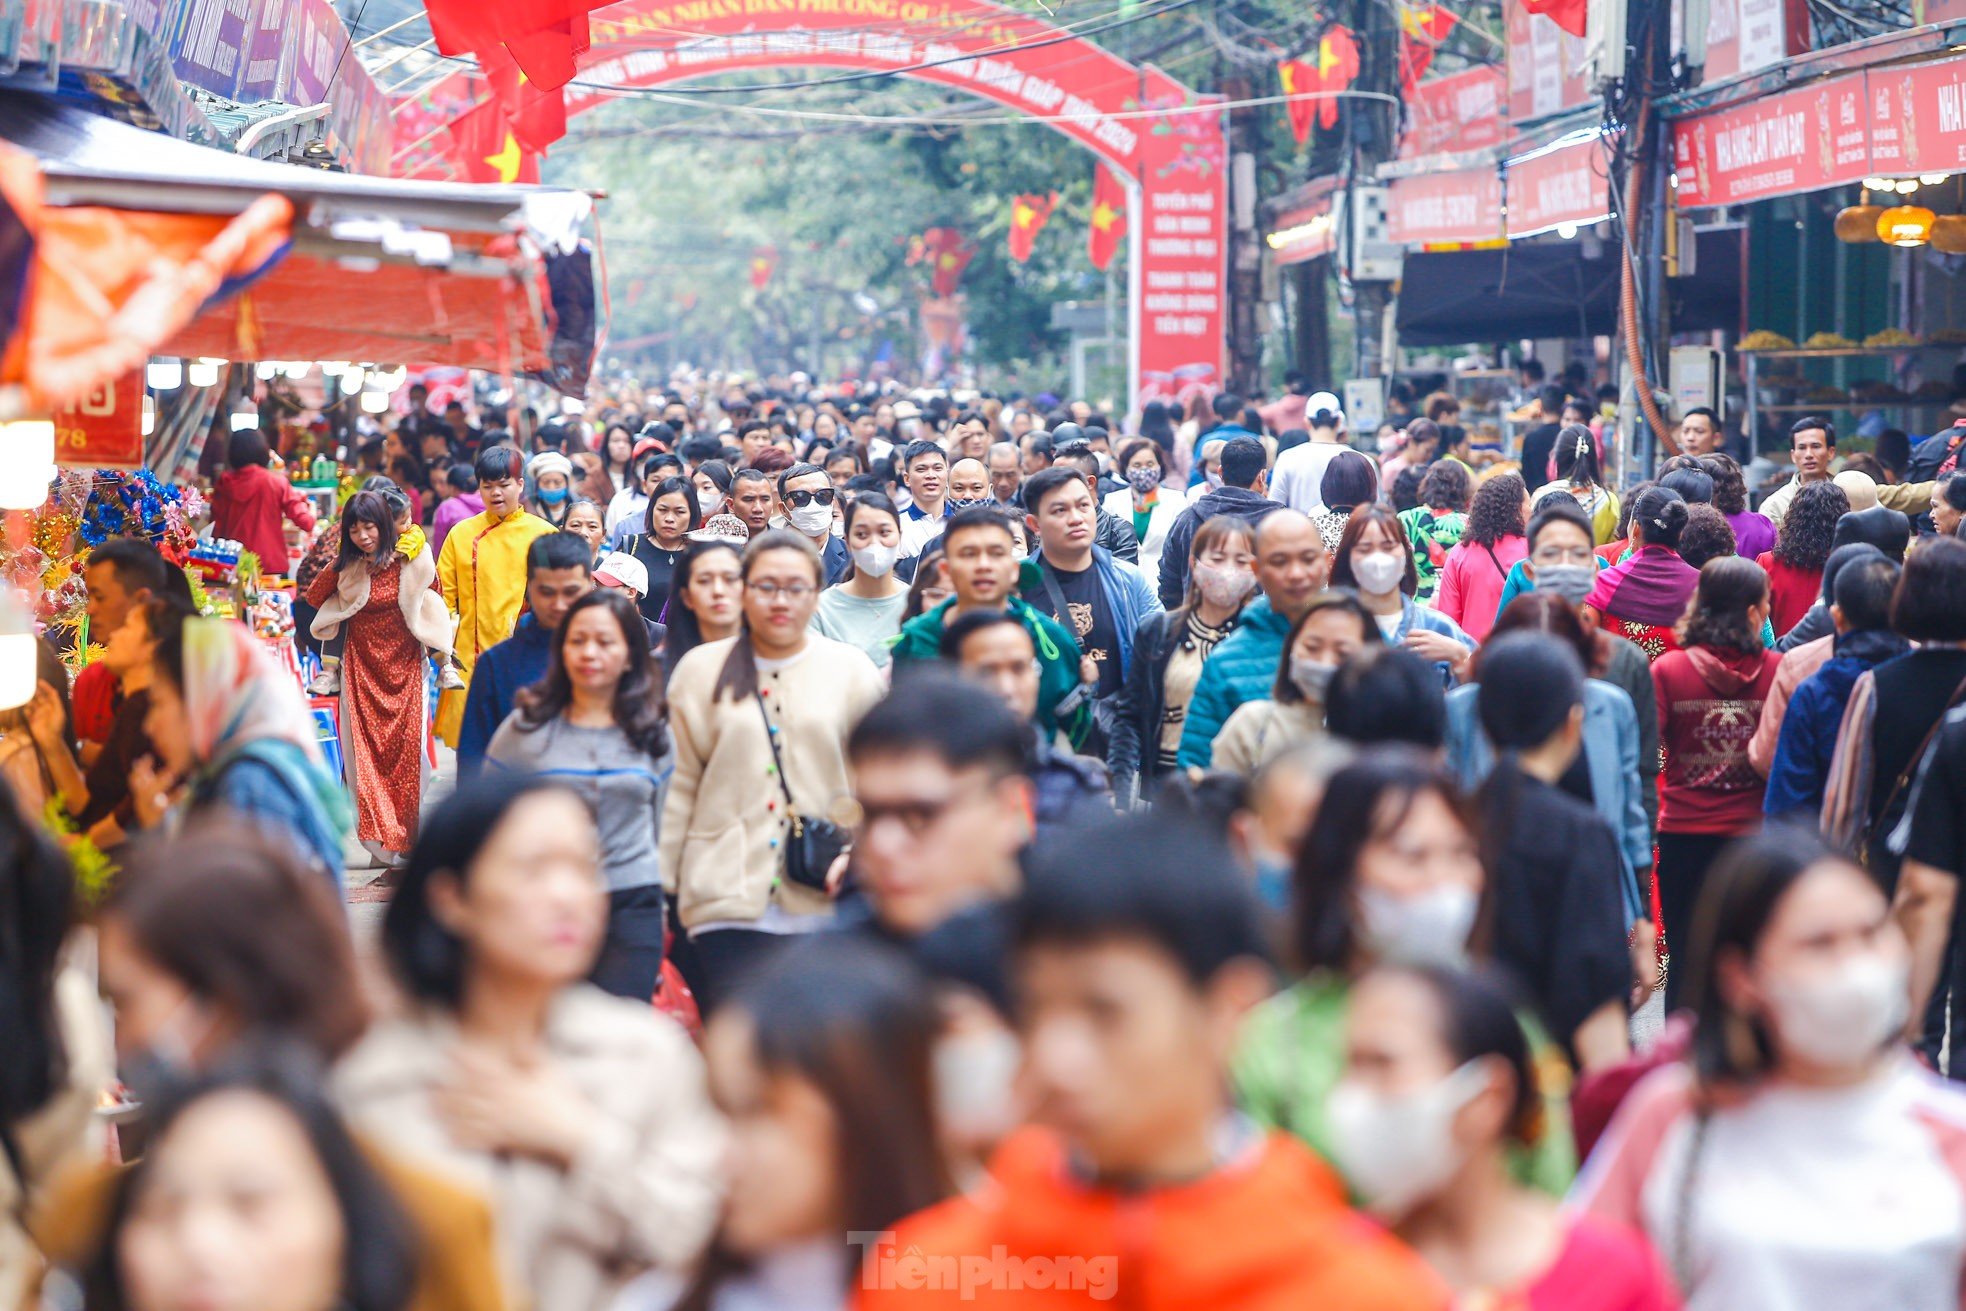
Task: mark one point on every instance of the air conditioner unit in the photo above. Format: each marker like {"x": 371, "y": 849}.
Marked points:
{"x": 1604, "y": 42}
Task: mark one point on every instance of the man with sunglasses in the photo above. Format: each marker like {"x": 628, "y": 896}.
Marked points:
{"x": 810, "y": 503}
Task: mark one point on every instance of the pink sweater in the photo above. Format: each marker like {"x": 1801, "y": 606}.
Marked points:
{"x": 1472, "y": 579}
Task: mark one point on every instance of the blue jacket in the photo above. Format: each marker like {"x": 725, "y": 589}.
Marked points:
{"x": 1412, "y": 615}
{"x": 1242, "y": 667}
{"x": 1127, "y": 594}
{"x": 1610, "y": 755}
{"x": 1800, "y": 770}
{"x": 519, "y": 661}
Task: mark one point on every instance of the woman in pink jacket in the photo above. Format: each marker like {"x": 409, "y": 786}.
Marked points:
{"x": 1472, "y": 578}
{"x": 250, "y": 500}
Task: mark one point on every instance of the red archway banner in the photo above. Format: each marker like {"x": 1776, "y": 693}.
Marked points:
{"x": 1163, "y": 141}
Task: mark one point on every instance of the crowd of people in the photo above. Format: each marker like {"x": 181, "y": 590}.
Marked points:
{"x": 927, "y": 850}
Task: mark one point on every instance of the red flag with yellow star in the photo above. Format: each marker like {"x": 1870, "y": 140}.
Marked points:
{"x": 1298, "y": 76}
{"x": 1336, "y": 65}
{"x": 1421, "y": 30}
{"x": 488, "y": 150}
{"x": 764, "y": 262}
{"x": 538, "y": 117}
{"x": 1108, "y": 217}
{"x": 1028, "y": 214}
{"x": 947, "y": 255}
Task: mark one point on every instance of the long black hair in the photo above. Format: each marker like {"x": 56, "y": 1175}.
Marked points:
{"x": 684, "y": 632}
{"x": 1575, "y": 453}
{"x": 667, "y": 486}
{"x": 369, "y": 508}
{"x": 1530, "y": 684}
{"x": 37, "y": 896}
{"x": 637, "y": 697}
{"x": 378, "y": 1251}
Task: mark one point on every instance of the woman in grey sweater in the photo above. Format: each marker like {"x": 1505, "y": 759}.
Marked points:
{"x": 595, "y": 724}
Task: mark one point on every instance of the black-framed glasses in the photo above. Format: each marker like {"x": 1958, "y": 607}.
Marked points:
{"x": 800, "y": 500}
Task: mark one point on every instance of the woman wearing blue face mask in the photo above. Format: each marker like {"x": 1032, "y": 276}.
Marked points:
{"x": 551, "y": 476}
{"x": 1389, "y": 871}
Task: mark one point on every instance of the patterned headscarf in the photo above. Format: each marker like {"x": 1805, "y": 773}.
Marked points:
{"x": 235, "y": 695}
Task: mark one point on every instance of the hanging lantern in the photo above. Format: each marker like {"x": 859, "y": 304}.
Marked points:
{"x": 27, "y": 463}
{"x": 1949, "y": 234}
{"x": 20, "y": 667}
{"x": 1857, "y": 224}
{"x": 1905, "y": 225}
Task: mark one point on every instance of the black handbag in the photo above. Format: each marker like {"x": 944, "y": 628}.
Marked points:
{"x": 811, "y": 844}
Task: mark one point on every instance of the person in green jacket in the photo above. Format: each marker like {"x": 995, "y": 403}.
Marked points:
{"x": 1292, "y": 566}
{"x": 1388, "y": 873}
{"x": 984, "y": 571}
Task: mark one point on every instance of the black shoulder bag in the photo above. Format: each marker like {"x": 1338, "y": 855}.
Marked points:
{"x": 812, "y": 844}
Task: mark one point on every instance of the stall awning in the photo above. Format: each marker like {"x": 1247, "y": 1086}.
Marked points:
{"x": 1305, "y": 226}
{"x": 1454, "y": 207}
{"x": 334, "y": 266}
{"x": 1566, "y": 185}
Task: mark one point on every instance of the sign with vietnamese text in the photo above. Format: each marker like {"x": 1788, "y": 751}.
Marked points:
{"x": 105, "y": 428}
{"x": 1456, "y": 113}
{"x": 1802, "y": 140}
{"x": 1454, "y": 207}
{"x": 1918, "y": 118}
{"x": 1570, "y": 185}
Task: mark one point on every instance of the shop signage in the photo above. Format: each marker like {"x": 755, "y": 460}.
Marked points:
{"x": 1303, "y": 233}
{"x": 1802, "y": 140}
{"x": 1918, "y": 118}
{"x": 105, "y": 428}
{"x": 1456, "y": 113}
{"x": 1456, "y": 207}
{"x": 1745, "y": 35}
{"x": 1567, "y": 185}
{"x": 1546, "y": 65}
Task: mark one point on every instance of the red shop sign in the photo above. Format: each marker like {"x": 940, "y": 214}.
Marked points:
{"x": 1448, "y": 208}
{"x": 1546, "y": 65}
{"x": 1567, "y": 185}
{"x": 1456, "y": 113}
{"x": 104, "y": 430}
{"x": 1802, "y": 140}
{"x": 1918, "y": 118}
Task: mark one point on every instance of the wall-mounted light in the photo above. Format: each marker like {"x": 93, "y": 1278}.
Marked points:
{"x": 203, "y": 372}
{"x": 27, "y": 463}
{"x": 164, "y": 374}
{"x": 375, "y": 402}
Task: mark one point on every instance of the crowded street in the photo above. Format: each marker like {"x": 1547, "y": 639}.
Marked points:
{"x": 857, "y": 655}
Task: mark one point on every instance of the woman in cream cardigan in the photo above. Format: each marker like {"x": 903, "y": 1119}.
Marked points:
{"x": 759, "y": 724}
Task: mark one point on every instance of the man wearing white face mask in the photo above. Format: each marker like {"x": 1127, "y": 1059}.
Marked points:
{"x": 808, "y": 496}
{"x": 1799, "y": 1158}
{"x": 1440, "y": 1090}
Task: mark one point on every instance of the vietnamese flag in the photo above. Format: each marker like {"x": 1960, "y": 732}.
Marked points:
{"x": 1337, "y": 65}
{"x": 538, "y": 118}
{"x": 1421, "y": 30}
{"x": 1108, "y": 217}
{"x": 764, "y": 262}
{"x": 1028, "y": 214}
{"x": 547, "y": 55}
{"x": 486, "y": 146}
{"x": 947, "y": 255}
{"x": 1298, "y": 76}
{"x": 1573, "y": 16}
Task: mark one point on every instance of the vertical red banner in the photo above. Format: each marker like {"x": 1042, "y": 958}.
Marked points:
{"x": 104, "y": 430}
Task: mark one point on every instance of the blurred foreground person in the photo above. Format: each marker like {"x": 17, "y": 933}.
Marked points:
{"x": 822, "y": 1063}
{"x": 1135, "y": 956}
{"x": 253, "y": 1194}
{"x": 583, "y": 1116}
{"x": 1439, "y": 1089}
{"x": 1801, "y": 1160}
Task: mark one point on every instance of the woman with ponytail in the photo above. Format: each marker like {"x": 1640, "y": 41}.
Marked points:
{"x": 759, "y": 723}
{"x": 1643, "y": 597}
{"x": 1579, "y": 472}
{"x": 1561, "y": 908}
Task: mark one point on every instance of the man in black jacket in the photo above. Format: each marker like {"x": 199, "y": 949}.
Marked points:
{"x": 1241, "y": 494}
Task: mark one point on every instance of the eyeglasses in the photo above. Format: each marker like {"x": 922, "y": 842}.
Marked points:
{"x": 800, "y": 500}
{"x": 916, "y": 817}
{"x": 790, "y": 591}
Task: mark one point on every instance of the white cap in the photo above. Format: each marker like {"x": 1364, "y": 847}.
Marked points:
{"x": 1860, "y": 487}
{"x": 620, "y": 569}
{"x": 1322, "y": 400}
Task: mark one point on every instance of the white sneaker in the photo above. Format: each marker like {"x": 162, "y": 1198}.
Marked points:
{"x": 325, "y": 683}
{"x": 449, "y": 679}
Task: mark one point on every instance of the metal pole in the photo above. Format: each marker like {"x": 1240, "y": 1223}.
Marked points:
{"x": 399, "y": 23}
{"x": 402, "y": 54}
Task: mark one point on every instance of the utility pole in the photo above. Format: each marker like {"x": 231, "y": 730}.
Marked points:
{"x": 1245, "y": 249}
{"x": 1371, "y": 134}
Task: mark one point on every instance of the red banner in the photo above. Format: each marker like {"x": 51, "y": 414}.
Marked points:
{"x": 1570, "y": 185}
{"x": 105, "y": 429}
{"x": 1459, "y": 112}
{"x": 1802, "y": 140}
{"x": 1545, "y": 65}
{"x": 1303, "y": 232}
{"x": 1745, "y": 35}
{"x": 1918, "y": 118}
{"x": 1449, "y": 208}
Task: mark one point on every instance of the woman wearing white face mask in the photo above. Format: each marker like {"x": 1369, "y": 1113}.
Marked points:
{"x": 1801, "y": 1160}
{"x": 1323, "y": 637}
{"x": 1375, "y": 557}
{"x": 1389, "y": 872}
{"x": 1439, "y": 1089}
{"x": 1168, "y": 650}
{"x": 864, "y": 608}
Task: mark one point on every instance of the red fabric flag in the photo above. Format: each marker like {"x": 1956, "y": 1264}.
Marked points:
{"x": 764, "y": 262}
{"x": 538, "y": 118}
{"x": 947, "y": 255}
{"x": 464, "y": 26}
{"x": 1298, "y": 76}
{"x": 1573, "y": 16}
{"x": 488, "y": 150}
{"x": 1421, "y": 30}
{"x": 1028, "y": 214}
{"x": 1108, "y": 217}
{"x": 1337, "y": 65}
{"x": 547, "y": 55}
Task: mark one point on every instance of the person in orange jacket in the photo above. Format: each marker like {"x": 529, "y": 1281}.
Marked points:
{"x": 1136, "y": 954}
